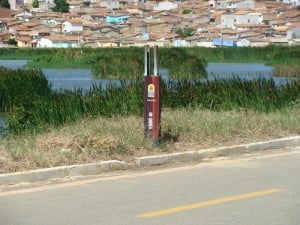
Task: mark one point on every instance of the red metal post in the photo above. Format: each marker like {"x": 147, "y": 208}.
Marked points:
{"x": 152, "y": 99}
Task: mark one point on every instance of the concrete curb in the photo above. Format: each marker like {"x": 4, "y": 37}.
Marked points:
{"x": 214, "y": 152}
{"x": 62, "y": 171}
{"x": 105, "y": 166}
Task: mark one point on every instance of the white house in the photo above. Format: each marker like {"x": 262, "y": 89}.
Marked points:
{"x": 293, "y": 2}
{"x": 294, "y": 31}
{"x": 72, "y": 25}
{"x": 58, "y": 42}
{"x": 235, "y": 4}
{"x": 229, "y": 20}
{"x": 110, "y": 4}
{"x": 160, "y": 6}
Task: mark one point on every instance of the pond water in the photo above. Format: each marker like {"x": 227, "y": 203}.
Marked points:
{"x": 77, "y": 78}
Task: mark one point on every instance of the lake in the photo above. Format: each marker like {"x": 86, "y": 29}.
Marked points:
{"x": 77, "y": 78}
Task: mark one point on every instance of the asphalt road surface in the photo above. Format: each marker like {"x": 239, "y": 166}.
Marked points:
{"x": 254, "y": 190}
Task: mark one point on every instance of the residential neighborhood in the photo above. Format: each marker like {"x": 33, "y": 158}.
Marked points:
{"x": 170, "y": 23}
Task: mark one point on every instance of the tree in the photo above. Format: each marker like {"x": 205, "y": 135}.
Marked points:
{"x": 186, "y": 32}
{"x": 12, "y": 42}
{"x": 5, "y": 4}
{"x": 86, "y": 3}
{"x": 35, "y": 4}
{"x": 61, "y": 6}
{"x": 186, "y": 11}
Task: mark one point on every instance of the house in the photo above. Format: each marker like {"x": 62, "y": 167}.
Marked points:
{"x": 5, "y": 13}
{"x": 293, "y": 2}
{"x": 15, "y": 4}
{"x": 234, "y": 4}
{"x": 269, "y": 18}
{"x": 116, "y": 19}
{"x": 4, "y": 37}
{"x": 55, "y": 24}
{"x": 59, "y": 42}
{"x": 19, "y": 30}
{"x": 107, "y": 43}
{"x": 294, "y": 31}
{"x": 157, "y": 27}
{"x": 75, "y": 6}
{"x": 72, "y": 26}
{"x": 110, "y": 4}
{"x": 222, "y": 42}
{"x": 258, "y": 42}
{"x": 230, "y": 20}
{"x": 23, "y": 15}
{"x": 165, "y": 5}
{"x": 24, "y": 42}
{"x": 279, "y": 41}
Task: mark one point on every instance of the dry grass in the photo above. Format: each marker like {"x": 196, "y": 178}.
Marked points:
{"x": 96, "y": 139}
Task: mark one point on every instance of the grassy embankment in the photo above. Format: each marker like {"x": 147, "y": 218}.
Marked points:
{"x": 51, "y": 129}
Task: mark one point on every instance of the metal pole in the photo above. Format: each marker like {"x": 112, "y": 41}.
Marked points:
{"x": 147, "y": 61}
{"x": 156, "y": 68}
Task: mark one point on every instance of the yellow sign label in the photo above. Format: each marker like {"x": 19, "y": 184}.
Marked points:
{"x": 151, "y": 90}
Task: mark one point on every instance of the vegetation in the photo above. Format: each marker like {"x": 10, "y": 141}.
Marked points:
{"x": 27, "y": 96}
{"x": 182, "y": 62}
{"x": 94, "y": 139}
{"x": 4, "y": 4}
{"x": 48, "y": 128}
{"x": 186, "y": 11}
{"x": 186, "y": 32}
{"x": 61, "y": 6}
{"x": 35, "y": 4}
{"x": 12, "y": 41}
{"x": 21, "y": 87}
{"x": 287, "y": 71}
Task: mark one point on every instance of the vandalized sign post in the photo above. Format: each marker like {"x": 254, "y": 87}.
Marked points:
{"x": 152, "y": 98}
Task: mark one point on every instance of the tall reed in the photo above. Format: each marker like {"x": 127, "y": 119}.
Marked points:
{"x": 21, "y": 87}
{"x": 287, "y": 71}
{"x": 127, "y": 99}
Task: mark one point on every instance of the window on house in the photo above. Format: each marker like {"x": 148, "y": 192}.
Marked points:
{"x": 248, "y": 21}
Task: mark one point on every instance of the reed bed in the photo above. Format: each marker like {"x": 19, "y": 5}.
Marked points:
{"x": 287, "y": 71}
{"x": 58, "y": 108}
{"x": 21, "y": 87}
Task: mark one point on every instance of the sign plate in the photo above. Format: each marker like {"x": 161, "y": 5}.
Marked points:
{"x": 151, "y": 91}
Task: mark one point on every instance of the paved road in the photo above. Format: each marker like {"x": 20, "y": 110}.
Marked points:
{"x": 258, "y": 190}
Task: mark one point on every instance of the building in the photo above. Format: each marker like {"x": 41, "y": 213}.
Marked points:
{"x": 72, "y": 26}
{"x": 230, "y": 20}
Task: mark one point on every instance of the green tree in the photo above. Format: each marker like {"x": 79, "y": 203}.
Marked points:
{"x": 186, "y": 11}
{"x": 186, "y": 32}
{"x": 86, "y": 3}
{"x": 61, "y": 6}
{"x": 12, "y": 42}
{"x": 35, "y": 4}
{"x": 4, "y": 3}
